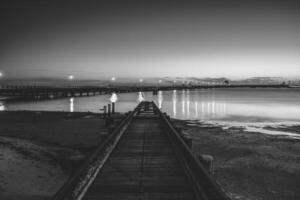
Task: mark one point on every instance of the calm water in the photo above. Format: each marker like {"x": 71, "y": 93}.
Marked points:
{"x": 254, "y": 105}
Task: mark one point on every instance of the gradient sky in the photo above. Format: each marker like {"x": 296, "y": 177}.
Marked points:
{"x": 234, "y": 39}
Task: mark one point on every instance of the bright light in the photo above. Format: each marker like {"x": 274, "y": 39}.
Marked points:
{"x": 71, "y": 77}
{"x": 113, "y": 78}
{"x": 2, "y": 107}
{"x": 160, "y": 99}
{"x": 1, "y": 74}
{"x": 113, "y": 98}
{"x": 141, "y": 80}
{"x": 159, "y": 81}
{"x": 141, "y": 97}
{"x": 72, "y": 104}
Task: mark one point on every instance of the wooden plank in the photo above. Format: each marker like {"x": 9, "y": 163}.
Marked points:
{"x": 142, "y": 166}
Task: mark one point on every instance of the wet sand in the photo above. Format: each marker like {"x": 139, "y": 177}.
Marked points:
{"x": 39, "y": 151}
{"x": 250, "y": 165}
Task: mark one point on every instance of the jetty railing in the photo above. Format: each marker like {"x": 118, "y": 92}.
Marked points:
{"x": 77, "y": 185}
{"x": 204, "y": 185}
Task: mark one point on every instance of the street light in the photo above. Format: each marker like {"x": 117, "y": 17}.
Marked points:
{"x": 71, "y": 77}
{"x": 159, "y": 82}
{"x": 141, "y": 80}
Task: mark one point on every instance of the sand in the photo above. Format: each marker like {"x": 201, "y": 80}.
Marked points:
{"x": 249, "y": 165}
{"x": 28, "y": 170}
{"x": 39, "y": 151}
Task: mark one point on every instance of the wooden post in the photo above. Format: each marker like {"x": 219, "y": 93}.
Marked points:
{"x": 208, "y": 162}
{"x": 109, "y": 110}
{"x": 187, "y": 139}
{"x": 104, "y": 111}
{"x": 113, "y": 108}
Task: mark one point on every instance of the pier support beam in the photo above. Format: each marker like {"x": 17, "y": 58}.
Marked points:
{"x": 113, "y": 108}
{"x": 108, "y": 110}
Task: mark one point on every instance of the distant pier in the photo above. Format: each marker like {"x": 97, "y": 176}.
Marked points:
{"x": 46, "y": 92}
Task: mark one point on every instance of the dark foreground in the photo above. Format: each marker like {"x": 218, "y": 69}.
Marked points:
{"x": 44, "y": 148}
{"x": 39, "y": 151}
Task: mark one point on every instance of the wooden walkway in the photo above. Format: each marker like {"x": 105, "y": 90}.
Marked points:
{"x": 142, "y": 166}
{"x": 147, "y": 163}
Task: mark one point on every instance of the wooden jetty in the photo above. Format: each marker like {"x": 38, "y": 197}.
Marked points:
{"x": 145, "y": 157}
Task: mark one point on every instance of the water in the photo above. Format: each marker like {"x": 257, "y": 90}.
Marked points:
{"x": 231, "y": 105}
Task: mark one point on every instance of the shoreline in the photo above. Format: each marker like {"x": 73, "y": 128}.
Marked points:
{"x": 248, "y": 165}
{"x": 284, "y": 129}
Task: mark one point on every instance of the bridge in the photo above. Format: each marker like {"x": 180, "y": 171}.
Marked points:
{"x": 44, "y": 92}
{"x": 145, "y": 157}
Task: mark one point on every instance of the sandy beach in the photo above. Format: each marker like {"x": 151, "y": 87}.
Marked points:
{"x": 249, "y": 165}
{"x": 44, "y": 148}
{"x": 40, "y": 150}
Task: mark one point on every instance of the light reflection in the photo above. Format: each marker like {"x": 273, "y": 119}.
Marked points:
{"x": 196, "y": 109}
{"x": 72, "y": 104}
{"x": 187, "y": 108}
{"x": 2, "y": 107}
{"x": 213, "y": 108}
{"x": 141, "y": 97}
{"x": 113, "y": 98}
{"x": 160, "y": 99}
{"x": 174, "y": 98}
{"x": 188, "y": 103}
{"x": 218, "y": 110}
{"x": 208, "y": 109}
{"x": 202, "y": 109}
{"x": 183, "y": 102}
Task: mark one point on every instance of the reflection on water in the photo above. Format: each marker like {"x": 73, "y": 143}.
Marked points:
{"x": 218, "y": 104}
{"x": 160, "y": 99}
{"x": 114, "y": 98}
{"x": 2, "y": 107}
{"x": 72, "y": 104}
{"x": 174, "y": 100}
{"x": 195, "y": 108}
{"x": 235, "y": 104}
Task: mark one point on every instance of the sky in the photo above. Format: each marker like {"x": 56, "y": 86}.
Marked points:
{"x": 99, "y": 39}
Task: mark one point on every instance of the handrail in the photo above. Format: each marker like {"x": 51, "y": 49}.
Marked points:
{"x": 204, "y": 184}
{"x": 67, "y": 191}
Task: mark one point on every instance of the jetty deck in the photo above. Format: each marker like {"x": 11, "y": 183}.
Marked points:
{"x": 146, "y": 159}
